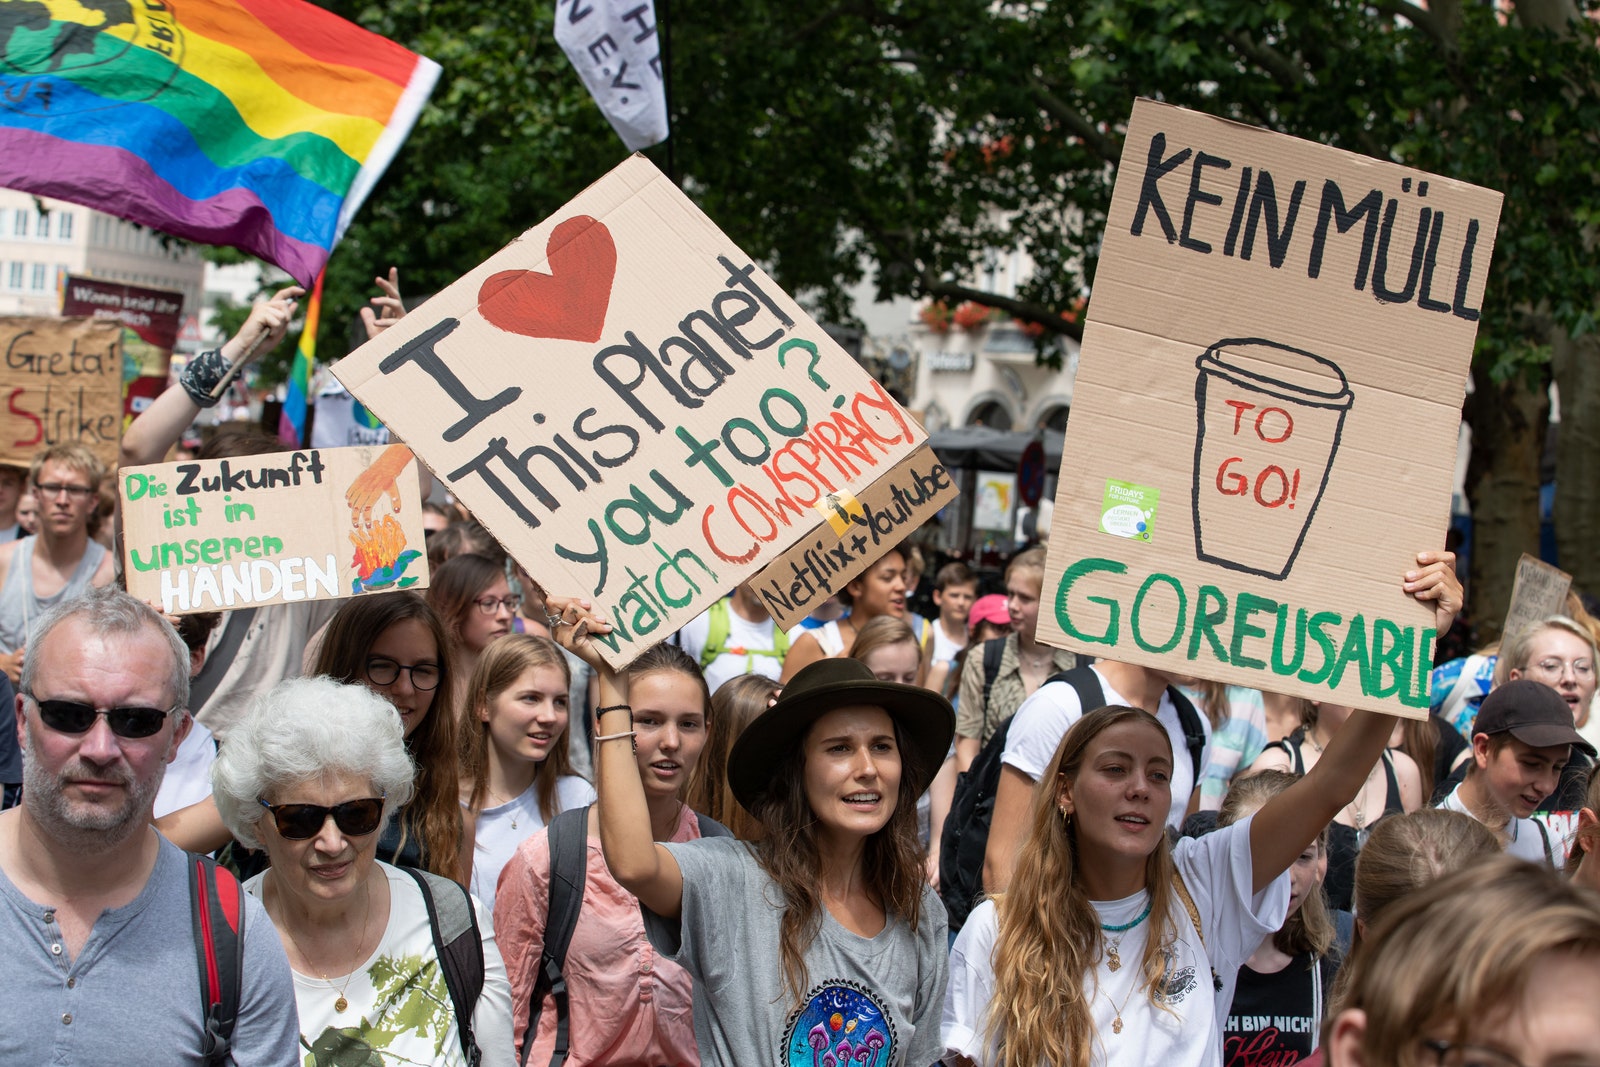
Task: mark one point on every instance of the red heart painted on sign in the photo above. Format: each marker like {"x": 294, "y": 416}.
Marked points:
{"x": 570, "y": 302}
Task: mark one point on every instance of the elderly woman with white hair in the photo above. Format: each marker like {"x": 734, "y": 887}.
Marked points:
{"x": 389, "y": 963}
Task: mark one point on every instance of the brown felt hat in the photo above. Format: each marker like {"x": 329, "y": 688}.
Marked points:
{"x": 926, "y": 721}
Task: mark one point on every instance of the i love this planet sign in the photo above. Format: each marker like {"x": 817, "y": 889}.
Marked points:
{"x": 634, "y": 409}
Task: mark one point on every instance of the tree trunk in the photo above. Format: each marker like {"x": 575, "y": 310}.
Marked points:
{"x": 1576, "y": 368}
{"x": 1508, "y": 429}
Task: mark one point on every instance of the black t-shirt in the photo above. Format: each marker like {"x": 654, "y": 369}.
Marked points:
{"x": 1274, "y": 1016}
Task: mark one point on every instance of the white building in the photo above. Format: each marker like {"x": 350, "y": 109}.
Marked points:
{"x": 39, "y": 248}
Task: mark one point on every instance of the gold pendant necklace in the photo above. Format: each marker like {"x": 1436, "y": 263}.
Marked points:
{"x": 341, "y": 1002}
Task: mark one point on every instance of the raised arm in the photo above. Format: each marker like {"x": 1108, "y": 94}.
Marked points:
{"x": 161, "y": 424}
{"x": 640, "y": 865}
{"x": 1011, "y": 802}
{"x": 1290, "y": 821}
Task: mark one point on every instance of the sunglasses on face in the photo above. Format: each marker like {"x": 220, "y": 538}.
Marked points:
{"x": 71, "y": 717}
{"x": 301, "y": 822}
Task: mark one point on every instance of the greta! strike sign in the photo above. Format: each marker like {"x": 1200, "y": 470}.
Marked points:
{"x": 635, "y": 410}
{"x": 1265, "y": 415}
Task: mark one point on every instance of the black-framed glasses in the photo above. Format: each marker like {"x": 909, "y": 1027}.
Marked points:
{"x": 490, "y": 604}
{"x": 1465, "y": 1054}
{"x": 384, "y": 671}
{"x": 74, "y": 717}
{"x": 301, "y": 822}
{"x": 55, "y": 489}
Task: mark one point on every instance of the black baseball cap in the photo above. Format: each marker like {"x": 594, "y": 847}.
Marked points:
{"x": 1532, "y": 712}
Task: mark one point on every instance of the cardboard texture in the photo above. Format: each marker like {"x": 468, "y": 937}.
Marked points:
{"x": 62, "y": 380}
{"x": 631, "y": 406}
{"x": 1264, "y": 421}
{"x": 1539, "y": 592}
{"x": 308, "y": 525}
{"x": 858, "y": 532}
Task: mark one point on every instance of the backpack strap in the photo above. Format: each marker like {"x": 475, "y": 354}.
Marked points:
{"x": 716, "y": 633}
{"x": 217, "y": 904}
{"x": 1086, "y": 683}
{"x": 1194, "y": 918}
{"x": 453, "y": 918}
{"x": 994, "y": 650}
{"x": 1194, "y": 730}
{"x": 710, "y": 827}
{"x": 568, "y": 835}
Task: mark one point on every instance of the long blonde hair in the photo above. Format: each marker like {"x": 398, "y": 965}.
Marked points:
{"x": 1049, "y": 941}
{"x": 502, "y": 663}
{"x": 734, "y": 705}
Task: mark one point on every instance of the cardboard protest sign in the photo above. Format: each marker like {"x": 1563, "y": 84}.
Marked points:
{"x": 62, "y": 382}
{"x": 631, "y": 406}
{"x": 1264, "y": 421}
{"x": 858, "y": 531}
{"x": 308, "y": 525}
{"x": 1539, "y": 592}
{"x": 151, "y": 319}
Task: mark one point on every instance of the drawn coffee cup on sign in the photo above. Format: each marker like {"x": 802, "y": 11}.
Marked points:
{"x": 1270, "y": 418}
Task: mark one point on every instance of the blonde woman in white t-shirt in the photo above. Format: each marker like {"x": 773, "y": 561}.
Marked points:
{"x": 1111, "y": 946}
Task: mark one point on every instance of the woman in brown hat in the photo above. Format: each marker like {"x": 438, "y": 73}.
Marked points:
{"x": 821, "y": 939}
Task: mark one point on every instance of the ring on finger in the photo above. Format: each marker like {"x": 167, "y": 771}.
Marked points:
{"x": 552, "y": 619}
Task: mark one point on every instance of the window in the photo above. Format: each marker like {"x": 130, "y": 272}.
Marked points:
{"x": 14, "y": 276}
{"x": 64, "y": 226}
{"x": 19, "y": 222}
{"x": 38, "y": 277}
{"x": 42, "y": 227}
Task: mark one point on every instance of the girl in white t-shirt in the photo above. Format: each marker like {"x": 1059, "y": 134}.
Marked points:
{"x": 1111, "y": 946}
{"x": 516, "y": 774}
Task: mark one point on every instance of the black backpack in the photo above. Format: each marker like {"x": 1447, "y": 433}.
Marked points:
{"x": 217, "y": 905}
{"x": 569, "y": 866}
{"x": 459, "y": 945}
{"x": 966, "y": 828}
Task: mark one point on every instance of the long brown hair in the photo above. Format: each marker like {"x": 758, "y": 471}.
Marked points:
{"x": 350, "y": 635}
{"x": 1310, "y": 928}
{"x": 891, "y": 860}
{"x": 1049, "y": 938}
{"x": 735, "y": 703}
{"x": 498, "y": 669}
{"x": 454, "y": 586}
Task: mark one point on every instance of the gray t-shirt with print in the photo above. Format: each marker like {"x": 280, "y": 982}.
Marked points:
{"x": 132, "y": 995}
{"x": 873, "y": 1001}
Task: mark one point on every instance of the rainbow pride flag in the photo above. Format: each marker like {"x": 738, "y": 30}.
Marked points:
{"x": 261, "y": 124}
{"x": 292, "y": 419}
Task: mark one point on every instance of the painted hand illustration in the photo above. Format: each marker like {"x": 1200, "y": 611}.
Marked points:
{"x": 371, "y": 485}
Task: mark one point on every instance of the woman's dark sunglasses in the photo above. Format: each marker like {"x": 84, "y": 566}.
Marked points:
{"x": 71, "y": 717}
{"x": 301, "y": 822}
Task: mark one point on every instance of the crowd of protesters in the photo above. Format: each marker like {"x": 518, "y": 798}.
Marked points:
{"x": 447, "y": 831}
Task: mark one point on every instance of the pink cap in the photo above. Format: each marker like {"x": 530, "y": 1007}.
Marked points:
{"x": 991, "y": 608}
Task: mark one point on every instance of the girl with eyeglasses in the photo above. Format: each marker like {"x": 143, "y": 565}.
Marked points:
{"x": 1492, "y": 966}
{"x": 516, "y": 774}
{"x": 311, "y": 774}
{"x": 395, "y": 645}
{"x": 474, "y": 599}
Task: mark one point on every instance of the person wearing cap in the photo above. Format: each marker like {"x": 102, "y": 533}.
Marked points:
{"x": 1523, "y": 737}
{"x": 822, "y": 938}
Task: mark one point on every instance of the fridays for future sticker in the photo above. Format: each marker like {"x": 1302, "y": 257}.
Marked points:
{"x": 1128, "y": 510}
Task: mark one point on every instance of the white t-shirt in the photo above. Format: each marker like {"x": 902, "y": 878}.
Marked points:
{"x": 1525, "y": 837}
{"x": 1186, "y": 1031}
{"x": 1042, "y": 721}
{"x": 944, "y": 648}
{"x": 399, "y": 1004}
{"x": 502, "y": 829}
{"x": 742, "y": 633}
{"x": 188, "y": 777}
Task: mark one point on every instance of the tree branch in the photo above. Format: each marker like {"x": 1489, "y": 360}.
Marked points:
{"x": 1101, "y": 145}
{"x": 1285, "y": 70}
{"x": 1420, "y": 17}
{"x": 1026, "y": 310}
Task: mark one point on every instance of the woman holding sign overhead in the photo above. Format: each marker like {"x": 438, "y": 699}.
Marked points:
{"x": 1113, "y": 946}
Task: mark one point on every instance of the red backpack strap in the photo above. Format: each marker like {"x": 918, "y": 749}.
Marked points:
{"x": 217, "y": 903}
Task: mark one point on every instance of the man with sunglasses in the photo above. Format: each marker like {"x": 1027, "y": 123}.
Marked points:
{"x": 61, "y": 560}
{"x": 97, "y": 946}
